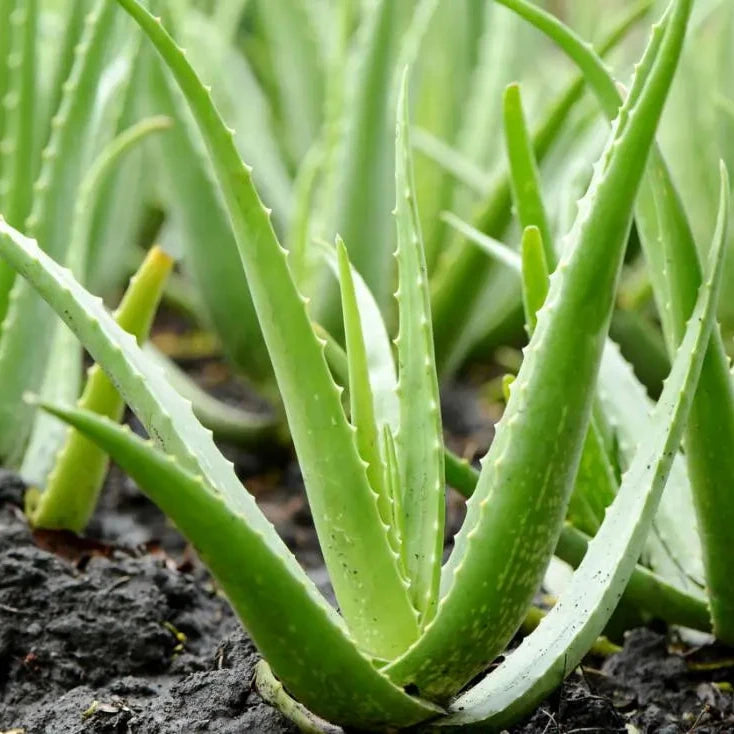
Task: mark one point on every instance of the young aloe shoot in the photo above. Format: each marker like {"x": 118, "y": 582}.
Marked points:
{"x": 411, "y": 634}
{"x": 76, "y": 479}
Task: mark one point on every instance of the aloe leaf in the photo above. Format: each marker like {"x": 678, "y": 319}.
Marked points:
{"x": 441, "y": 80}
{"x": 524, "y": 176}
{"x": 380, "y": 361}
{"x": 499, "y": 60}
{"x": 675, "y": 273}
{"x": 169, "y": 419}
{"x": 378, "y": 611}
{"x": 419, "y": 440}
{"x": 362, "y": 409}
{"x": 77, "y": 476}
{"x": 392, "y": 479}
{"x": 119, "y": 223}
{"x": 210, "y": 251}
{"x": 674, "y": 549}
{"x": 342, "y": 686}
{"x": 710, "y": 433}
{"x": 255, "y": 137}
{"x": 555, "y": 649}
{"x": 534, "y": 274}
{"x": 73, "y": 24}
{"x": 595, "y": 484}
{"x": 646, "y": 590}
{"x": 359, "y": 315}
{"x": 62, "y": 380}
{"x": 305, "y": 188}
{"x": 17, "y": 145}
{"x": 62, "y": 383}
{"x": 338, "y": 37}
{"x": 526, "y": 479}
{"x": 595, "y": 481}
{"x": 27, "y": 328}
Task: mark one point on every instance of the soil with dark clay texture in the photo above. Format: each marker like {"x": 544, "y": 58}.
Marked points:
{"x": 91, "y": 630}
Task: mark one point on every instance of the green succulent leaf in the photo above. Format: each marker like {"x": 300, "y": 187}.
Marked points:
{"x": 646, "y": 590}
{"x": 210, "y": 252}
{"x": 380, "y": 360}
{"x": 297, "y": 60}
{"x": 419, "y": 440}
{"x": 673, "y": 549}
{"x": 563, "y": 637}
{"x": 360, "y": 205}
{"x": 362, "y": 407}
{"x": 524, "y": 176}
{"x": 534, "y": 274}
{"x": 464, "y": 284}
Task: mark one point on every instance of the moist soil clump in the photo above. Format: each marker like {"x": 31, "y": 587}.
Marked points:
{"x": 96, "y": 637}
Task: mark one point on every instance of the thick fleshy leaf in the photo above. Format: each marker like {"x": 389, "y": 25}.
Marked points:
{"x": 380, "y": 360}
{"x": 565, "y": 635}
{"x": 209, "y": 250}
{"x": 362, "y": 407}
{"x": 673, "y": 548}
{"x": 465, "y": 290}
{"x": 419, "y": 440}
{"x": 77, "y": 476}
{"x": 524, "y": 176}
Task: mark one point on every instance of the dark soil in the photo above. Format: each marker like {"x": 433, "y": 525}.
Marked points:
{"x": 127, "y": 634}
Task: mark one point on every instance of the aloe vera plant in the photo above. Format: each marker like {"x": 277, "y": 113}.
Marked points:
{"x": 411, "y": 634}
